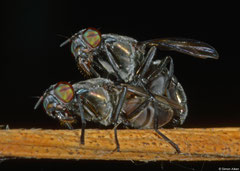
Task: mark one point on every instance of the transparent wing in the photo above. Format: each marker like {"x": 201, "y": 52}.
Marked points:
{"x": 161, "y": 99}
{"x": 187, "y": 46}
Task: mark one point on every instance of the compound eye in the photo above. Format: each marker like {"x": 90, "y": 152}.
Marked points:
{"x": 92, "y": 36}
{"x": 64, "y": 91}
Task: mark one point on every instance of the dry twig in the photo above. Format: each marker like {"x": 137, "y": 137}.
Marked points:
{"x": 143, "y": 145}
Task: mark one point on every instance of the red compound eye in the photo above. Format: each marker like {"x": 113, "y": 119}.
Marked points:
{"x": 92, "y": 36}
{"x": 64, "y": 91}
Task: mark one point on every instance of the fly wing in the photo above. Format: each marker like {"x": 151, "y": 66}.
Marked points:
{"x": 162, "y": 100}
{"x": 187, "y": 46}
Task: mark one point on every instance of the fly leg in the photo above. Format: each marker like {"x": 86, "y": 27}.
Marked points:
{"x": 83, "y": 121}
{"x": 6, "y": 127}
{"x": 68, "y": 125}
{"x": 88, "y": 69}
{"x": 147, "y": 63}
{"x": 64, "y": 119}
{"x": 134, "y": 114}
{"x": 161, "y": 134}
{"x": 172, "y": 87}
{"x": 158, "y": 72}
{"x": 117, "y": 113}
{"x": 113, "y": 63}
{"x": 167, "y": 60}
{"x": 145, "y": 66}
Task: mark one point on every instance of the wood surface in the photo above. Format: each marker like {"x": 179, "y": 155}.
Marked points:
{"x": 198, "y": 144}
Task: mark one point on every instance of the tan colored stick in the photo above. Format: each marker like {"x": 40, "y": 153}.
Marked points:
{"x": 142, "y": 145}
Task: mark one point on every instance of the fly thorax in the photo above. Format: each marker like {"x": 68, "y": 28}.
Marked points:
{"x": 97, "y": 101}
{"x": 123, "y": 51}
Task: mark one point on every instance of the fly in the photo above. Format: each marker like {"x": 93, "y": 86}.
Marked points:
{"x": 125, "y": 59}
{"x": 101, "y": 100}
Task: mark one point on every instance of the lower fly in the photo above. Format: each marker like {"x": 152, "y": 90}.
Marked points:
{"x": 100, "y": 100}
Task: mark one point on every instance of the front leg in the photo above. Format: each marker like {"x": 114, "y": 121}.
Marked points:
{"x": 113, "y": 63}
{"x": 80, "y": 113}
{"x": 86, "y": 67}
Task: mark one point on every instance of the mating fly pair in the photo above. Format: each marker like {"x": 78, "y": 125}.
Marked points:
{"x": 132, "y": 87}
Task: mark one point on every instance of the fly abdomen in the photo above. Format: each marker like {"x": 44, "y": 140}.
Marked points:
{"x": 140, "y": 114}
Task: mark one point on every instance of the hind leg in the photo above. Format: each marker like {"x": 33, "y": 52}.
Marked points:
{"x": 161, "y": 134}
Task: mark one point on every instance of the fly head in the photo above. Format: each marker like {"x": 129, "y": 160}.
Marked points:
{"x": 57, "y": 102}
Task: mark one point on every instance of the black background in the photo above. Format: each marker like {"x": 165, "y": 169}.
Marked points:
{"x": 31, "y": 60}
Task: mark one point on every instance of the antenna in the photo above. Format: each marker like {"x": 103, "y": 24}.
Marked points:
{"x": 38, "y": 103}
{"x": 66, "y": 42}
{"x": 69, "y": 40}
